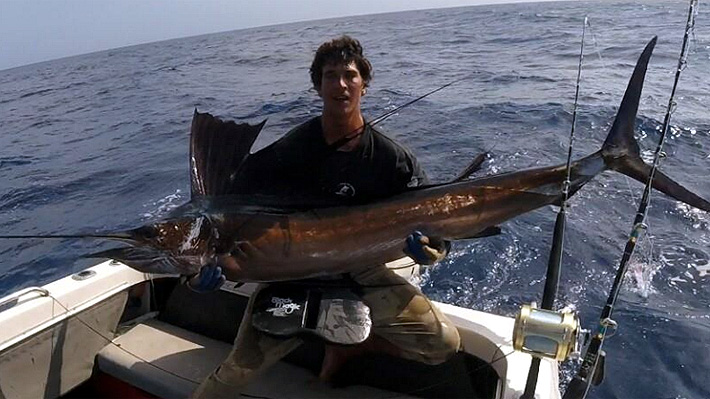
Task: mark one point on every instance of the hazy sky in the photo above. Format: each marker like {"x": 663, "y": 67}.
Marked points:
{"x": 40, "y": 30}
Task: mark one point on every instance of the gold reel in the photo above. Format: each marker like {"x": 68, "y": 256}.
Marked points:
{"x": 546, "y": 333}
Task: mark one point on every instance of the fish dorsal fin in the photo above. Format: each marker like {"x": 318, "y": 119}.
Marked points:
{"x": 217, "y": 149}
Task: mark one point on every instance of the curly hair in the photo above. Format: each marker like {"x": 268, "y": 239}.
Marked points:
{"x": 344, "y": 50}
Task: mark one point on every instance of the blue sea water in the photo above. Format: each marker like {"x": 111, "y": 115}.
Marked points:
{"x": 100, "y": 142}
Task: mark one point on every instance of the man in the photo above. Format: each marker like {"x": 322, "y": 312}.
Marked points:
{"x": 337, "y": 158}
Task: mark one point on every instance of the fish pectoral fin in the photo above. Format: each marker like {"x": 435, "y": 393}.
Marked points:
{"x": 474, "y": 166}
{"x": 145, "y": 259}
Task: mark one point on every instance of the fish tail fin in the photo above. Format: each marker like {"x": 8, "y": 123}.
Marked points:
{"x": 621, "y": 150}
{"x": 620, "y": 144}
{"x": 639, "y": 170}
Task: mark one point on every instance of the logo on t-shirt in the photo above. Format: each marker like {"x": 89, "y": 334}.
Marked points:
{"x": 345, "y": 190}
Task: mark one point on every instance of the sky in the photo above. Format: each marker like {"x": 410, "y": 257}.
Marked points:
{"x": 40, "y": 30}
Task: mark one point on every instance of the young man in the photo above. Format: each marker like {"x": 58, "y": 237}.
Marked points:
{"x": 337, "y": 158}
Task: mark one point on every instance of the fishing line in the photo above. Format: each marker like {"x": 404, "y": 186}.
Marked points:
{"x": 66, "y": 236}
{"x": 594, "y": 41}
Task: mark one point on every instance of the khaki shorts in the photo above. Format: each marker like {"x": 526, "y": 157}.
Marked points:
{"x": 400, "y": 313}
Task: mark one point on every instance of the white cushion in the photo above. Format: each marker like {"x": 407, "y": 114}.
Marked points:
{"x": 179, "y": 359}
{"x": 185, "y": 358}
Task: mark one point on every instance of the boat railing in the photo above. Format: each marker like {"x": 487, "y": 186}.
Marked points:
{"x": 15, "y": 298}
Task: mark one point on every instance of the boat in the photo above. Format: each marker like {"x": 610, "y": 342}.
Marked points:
{"x": 110, "y": 331}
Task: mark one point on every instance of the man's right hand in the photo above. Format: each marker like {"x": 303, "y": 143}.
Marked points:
{"x": 210, "y": 278}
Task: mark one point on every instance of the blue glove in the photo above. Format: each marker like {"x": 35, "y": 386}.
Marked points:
{"x": 426, "y": 250}
{"x": 209, "y": 279}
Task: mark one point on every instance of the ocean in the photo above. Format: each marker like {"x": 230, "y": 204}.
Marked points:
{"x": 100, "y": 142}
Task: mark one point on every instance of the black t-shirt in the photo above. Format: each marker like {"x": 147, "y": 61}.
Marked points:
{"x": 302, "y": 164}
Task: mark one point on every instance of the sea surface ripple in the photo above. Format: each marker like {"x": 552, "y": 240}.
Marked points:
{"x": 100, "y": 142}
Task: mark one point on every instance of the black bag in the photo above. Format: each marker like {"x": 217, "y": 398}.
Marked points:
{"x": 334, "y": 314}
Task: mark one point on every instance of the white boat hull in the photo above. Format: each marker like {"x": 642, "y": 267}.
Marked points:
{"x": 52, "y": 337}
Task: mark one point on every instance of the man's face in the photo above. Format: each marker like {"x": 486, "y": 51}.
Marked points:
{"x": 341, "y": 88}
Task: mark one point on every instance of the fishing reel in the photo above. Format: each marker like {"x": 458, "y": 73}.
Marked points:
{"x": 547, "y": 333}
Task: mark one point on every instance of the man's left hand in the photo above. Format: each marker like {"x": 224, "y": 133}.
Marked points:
{"x": 426, "y": 250}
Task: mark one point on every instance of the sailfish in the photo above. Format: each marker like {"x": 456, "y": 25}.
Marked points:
{"x": 285, "y": 241}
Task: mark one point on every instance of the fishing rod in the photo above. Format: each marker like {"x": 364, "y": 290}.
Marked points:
{"x": 589, "y": 371}
{"x": 359, "y": 130}
{"x": 554, "y": 264}
{"x": 397, "y": 109}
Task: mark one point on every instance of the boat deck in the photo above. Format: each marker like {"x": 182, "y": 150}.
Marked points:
{"x": 110, "y": 331}
{"x": 170, "y": 354}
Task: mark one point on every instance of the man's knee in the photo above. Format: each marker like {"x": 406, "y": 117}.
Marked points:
{"x": 450, "y": 341}
{"x": 441, "y": 345}
{"x": 437, "y": 338}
